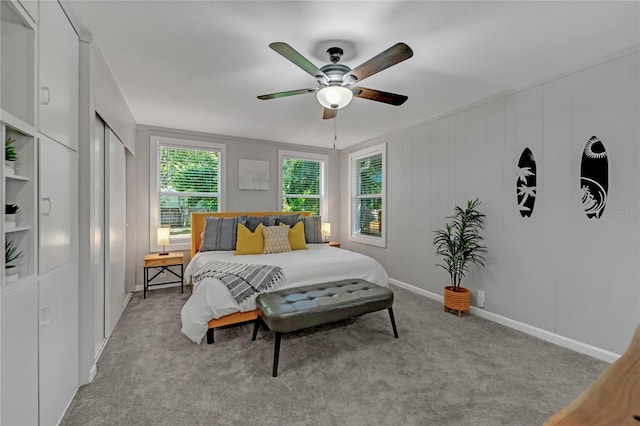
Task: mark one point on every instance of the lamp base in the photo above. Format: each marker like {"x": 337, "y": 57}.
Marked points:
{"x": 164, "y": 253}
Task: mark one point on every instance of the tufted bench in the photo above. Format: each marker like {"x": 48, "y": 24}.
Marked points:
{"x": 303, "y": 307}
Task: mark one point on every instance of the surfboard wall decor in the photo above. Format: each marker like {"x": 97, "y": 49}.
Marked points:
{"x": 594, "y": 178}
{"x": 526, "y": 183}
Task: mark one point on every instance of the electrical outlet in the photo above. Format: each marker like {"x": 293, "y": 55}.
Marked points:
{"x": 481, "y": 298}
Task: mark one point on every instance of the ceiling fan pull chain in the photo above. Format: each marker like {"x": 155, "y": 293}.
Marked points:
{"x": 335, "y": 132}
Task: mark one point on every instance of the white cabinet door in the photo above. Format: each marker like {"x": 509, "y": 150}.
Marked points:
{"x": 58, "y": 204}
{"x": 19, "y": 367}
{"x": 59, "y": 79}
{"x": 58, "y": 341}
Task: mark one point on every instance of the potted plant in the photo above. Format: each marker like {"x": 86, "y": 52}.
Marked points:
{"x": 10, "y": 212}
{"x": 460, "y": 245}
{"x": 11, "y": 254}
{"x": 10, "y": 156}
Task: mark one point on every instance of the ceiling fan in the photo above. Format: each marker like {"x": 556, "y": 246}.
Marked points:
{"x": 337, "y": 82}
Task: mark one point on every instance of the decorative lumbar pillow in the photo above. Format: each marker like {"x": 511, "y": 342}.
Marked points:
{"x": 312, "y": 225}
{"x": 219, "y": 234}
{"x": 249, "y": 242}
{"x": 296, "y": 236}
{"x": 252, "y": 222}
{"x": 288, "y": 219}
{"x": 276, "y": 239}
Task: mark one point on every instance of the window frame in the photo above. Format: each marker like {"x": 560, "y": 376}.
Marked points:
{"x": 184, "y": 242}
{"x": 354, "y": 234}
{"x": 323, "y": 159}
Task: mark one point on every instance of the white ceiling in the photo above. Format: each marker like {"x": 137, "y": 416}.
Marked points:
{"x": 199, "y": 66}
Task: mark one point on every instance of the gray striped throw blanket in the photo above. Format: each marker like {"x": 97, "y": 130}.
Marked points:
{"x": 244, "y": 281}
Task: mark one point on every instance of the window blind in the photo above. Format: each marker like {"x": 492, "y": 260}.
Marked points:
{"x": 188, "y": 181}
{"x": 188, "y": 170}
{"x": 367, "y": 196}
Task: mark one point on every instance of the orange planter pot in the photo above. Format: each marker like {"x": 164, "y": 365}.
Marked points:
{"x": 456, "y": 300}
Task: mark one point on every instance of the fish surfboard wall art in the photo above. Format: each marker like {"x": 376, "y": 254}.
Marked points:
{"x": 594, "y": 178}
{"x": 526, "y": 188}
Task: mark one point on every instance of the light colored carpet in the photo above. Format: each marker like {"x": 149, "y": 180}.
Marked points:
{"x": 443, "y": 370}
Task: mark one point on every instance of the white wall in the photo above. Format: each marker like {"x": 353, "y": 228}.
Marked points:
{"x": 109, "y": 102}
{"x": 557, "y": 271}
{"x": 236, "y": 199}
{"x": 98, "y": 93}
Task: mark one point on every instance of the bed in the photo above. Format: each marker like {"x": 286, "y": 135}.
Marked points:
{"x": 211, "y": 305}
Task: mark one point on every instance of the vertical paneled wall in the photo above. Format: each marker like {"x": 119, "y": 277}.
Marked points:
{"x": 556, "y": 270}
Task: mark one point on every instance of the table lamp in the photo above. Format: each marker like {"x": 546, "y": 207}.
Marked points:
{"x": 325, "y": 230}
{"x": 163, "y": 240}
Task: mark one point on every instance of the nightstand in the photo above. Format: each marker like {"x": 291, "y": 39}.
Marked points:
{"x": 333, "y": 244}
{"x": 163, "y": 263}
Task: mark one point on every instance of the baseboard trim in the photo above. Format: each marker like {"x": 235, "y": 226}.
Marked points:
{"x": 93, "y": 371}
{"x": 94, "y": 368}
{"x": 68, "y": 405}
{"x": 99, "y": 354}
{"x": 140, "y": 287}
{"x": 546, "y": 335}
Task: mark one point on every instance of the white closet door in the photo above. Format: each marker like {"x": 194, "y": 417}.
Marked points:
{"x": 115, "y": 230}
{"x": 58, "y": 204}
{"x": 98, "y": 216}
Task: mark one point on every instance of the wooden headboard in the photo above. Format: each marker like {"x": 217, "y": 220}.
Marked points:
{"x": 198, "y": 220}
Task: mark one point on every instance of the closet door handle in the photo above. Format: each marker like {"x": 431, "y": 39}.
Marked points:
{"x": 45, "y": 316}
{"x": 46, "y": 200}
{"x": 46, "y": 90}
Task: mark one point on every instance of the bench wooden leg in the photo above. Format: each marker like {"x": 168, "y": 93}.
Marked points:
{"x": 210, "y": 336}
{"x": 256, "y": 327}
{"x": 393, "y": 322}
{"x": 276, "y": 354}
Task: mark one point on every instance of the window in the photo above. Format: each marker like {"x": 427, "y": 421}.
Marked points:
{"x": 367, "y": 208}
{"x": 302, "y": 182}
{"x": 186, "y": 176}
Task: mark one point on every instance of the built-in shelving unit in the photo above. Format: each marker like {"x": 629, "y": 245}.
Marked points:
{"x": 20, "y": 189}
{"x": 39, "y": 304}
{"x": 17, "y": 123}
{"x": 19, "y": 369}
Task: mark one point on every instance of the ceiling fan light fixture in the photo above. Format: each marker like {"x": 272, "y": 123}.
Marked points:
{"x": 334, "y": 97}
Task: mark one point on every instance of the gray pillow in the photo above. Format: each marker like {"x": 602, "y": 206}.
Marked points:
{"x": 312, "y": 226}
{"x": 252, "y": 222}
{"x": 288, "y": 219}
{"x": 219, "y": 234}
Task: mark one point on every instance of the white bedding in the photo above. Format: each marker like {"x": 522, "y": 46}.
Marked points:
{"x": 320, "y": 263}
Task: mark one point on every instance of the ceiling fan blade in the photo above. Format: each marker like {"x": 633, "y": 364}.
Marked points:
{"x": 285, "y": 94}
{"x": 291, "y": 54}
{"x": 378, "y": 95}
{"x": 329, "y": 113}
{"x": 393, "y": 55}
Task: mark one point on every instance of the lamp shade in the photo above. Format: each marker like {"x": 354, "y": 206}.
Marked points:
{"x": 334, "y": 97}
{"x": 163, "y": 236}
{"x": 325, "y": 229}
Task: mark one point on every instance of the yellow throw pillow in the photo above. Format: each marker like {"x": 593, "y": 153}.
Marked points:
{"x": 276, "y": 239}
{"x": 296, "y": 237}
{"x": 249, "y": 242}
